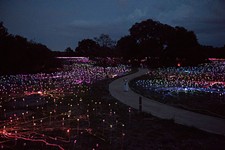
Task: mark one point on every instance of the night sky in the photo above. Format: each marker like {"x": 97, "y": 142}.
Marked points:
{"x": 62, "y": 23}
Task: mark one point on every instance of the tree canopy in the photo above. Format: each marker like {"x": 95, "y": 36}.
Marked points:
{"x": 87, "y": 47}
{"x": 18, "y": 55}
{"x": 105, "y": 41}
{"x": 102, "y": 46}
{"x": 151, "y": 38}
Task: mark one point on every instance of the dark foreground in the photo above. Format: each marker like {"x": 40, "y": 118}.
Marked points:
{"x": 143, "y": 131}
{"x": 101, "y": 122}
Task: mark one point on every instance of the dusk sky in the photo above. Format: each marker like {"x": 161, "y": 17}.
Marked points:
{"x": 62, "y": 23}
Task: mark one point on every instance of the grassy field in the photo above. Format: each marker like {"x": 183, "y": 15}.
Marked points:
{"x": 143, "y": 131}
{"x": 104, "y": 123}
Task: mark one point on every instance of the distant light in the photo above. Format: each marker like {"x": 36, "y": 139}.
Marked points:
{"x": 68, "y": 130}
{"x": 216, "y": 59}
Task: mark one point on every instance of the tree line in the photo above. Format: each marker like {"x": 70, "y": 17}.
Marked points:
{"x": 18, "y": 55}
{"x": 162, "y": 44}
{"x": 158, "y": 44}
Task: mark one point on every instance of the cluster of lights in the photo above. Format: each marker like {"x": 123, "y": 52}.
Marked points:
{"x": 34, "y": 106}
{"x": 208, "y": 78}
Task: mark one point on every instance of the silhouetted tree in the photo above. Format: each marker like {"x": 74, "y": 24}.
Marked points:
{"x": 155, "y": 39}
{"x": 150, "y": 37}
{"x": 127, "y": 47}
{"x": 158, "y": 42}
{"x": 104, "y": 40}
{"x": 180, "y": 40}
{"x": 102, "y": 46}
{"x": 17, "y": 55}
{"x": 87, "y": 47}
{"x": 3, "y": 31}
{"x": 69, "y": 50}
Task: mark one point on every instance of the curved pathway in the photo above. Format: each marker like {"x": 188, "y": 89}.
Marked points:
{"x": 180, "y": 116}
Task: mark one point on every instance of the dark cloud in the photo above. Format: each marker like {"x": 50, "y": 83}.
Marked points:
{"x": 60, "y": 24}
{"x": 205, "y": 18}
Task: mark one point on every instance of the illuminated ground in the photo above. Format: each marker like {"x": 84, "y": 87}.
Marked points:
{"x": 200, "y": 89}
{"x": 53, "y": 110}
{"x": 57, "y": 112}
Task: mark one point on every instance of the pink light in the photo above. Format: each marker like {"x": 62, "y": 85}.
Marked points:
{"x": 68, "y": 130}
{"x": 212, "y": 83}
{"x": 32, "y": 93}
{"x": 39, "y": 92}
{"x": 114, "y": 75}
{"x": 216, "y": 59}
